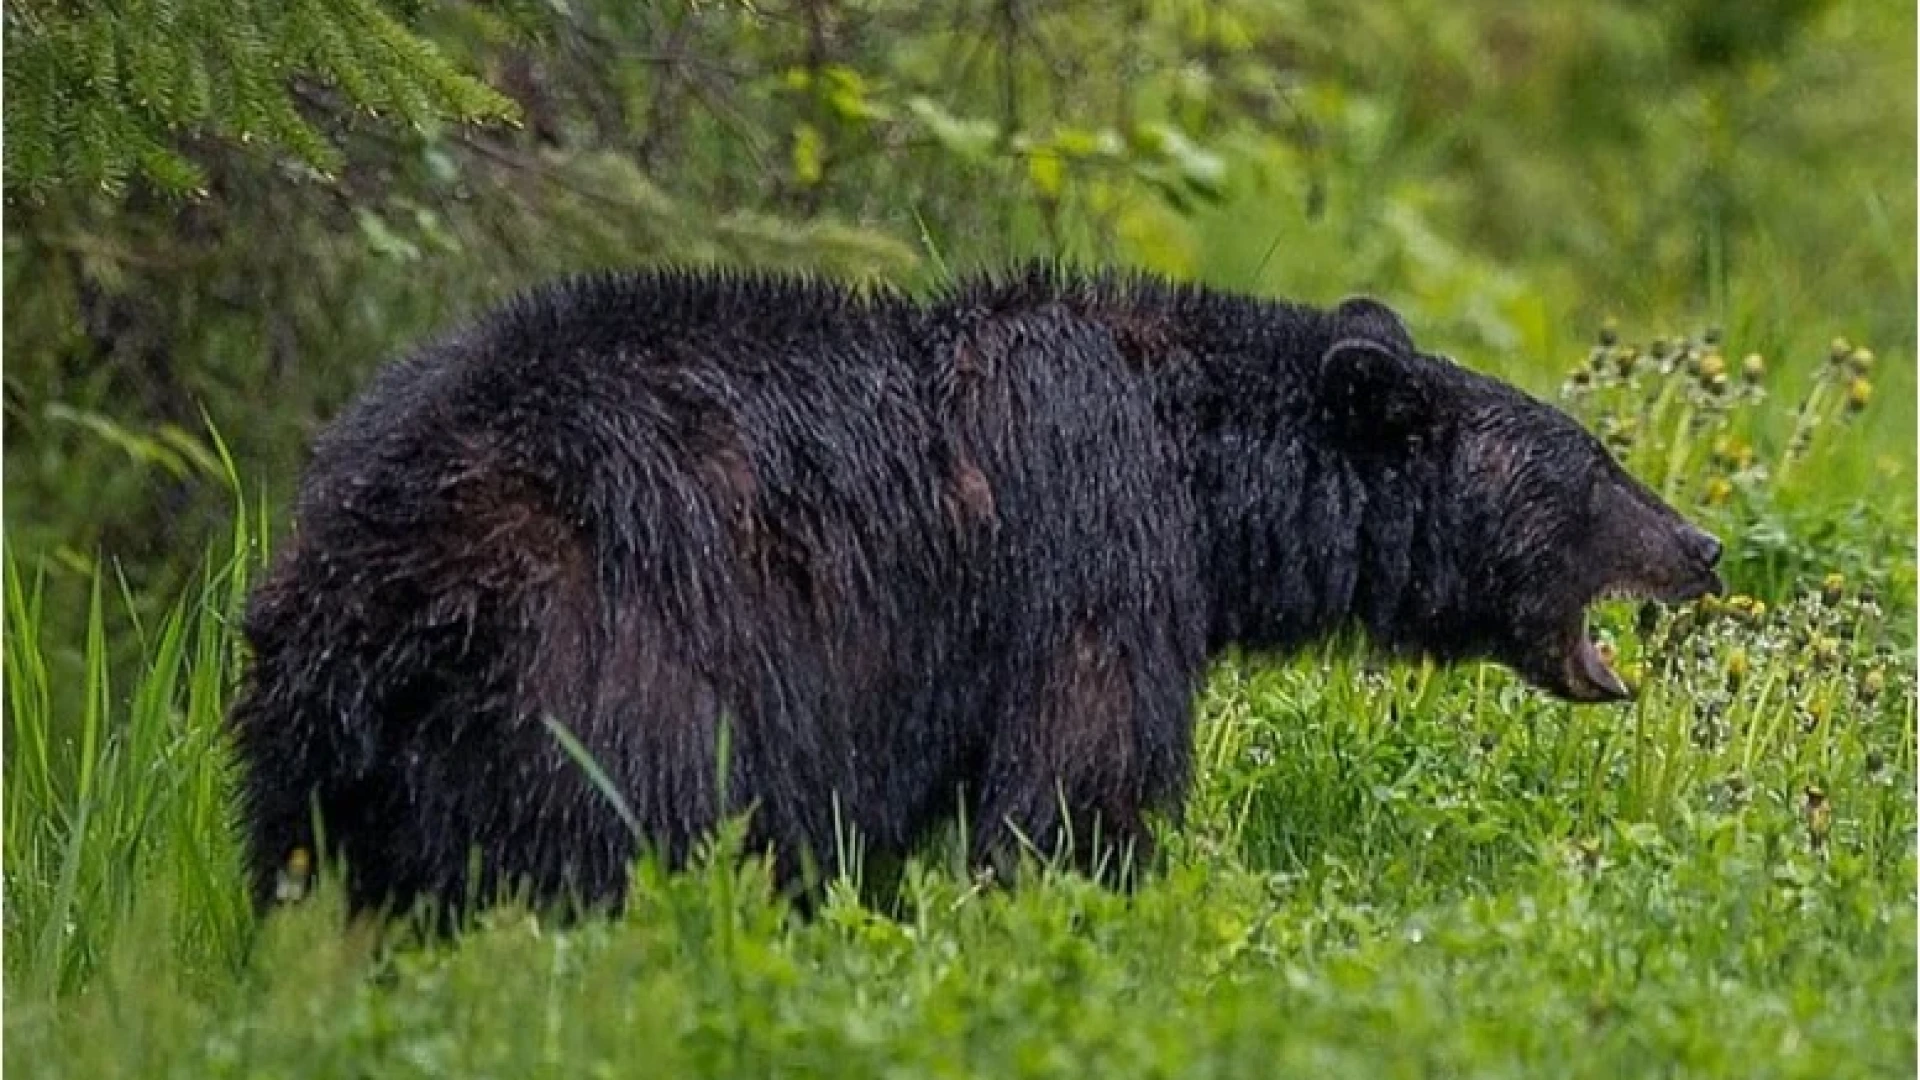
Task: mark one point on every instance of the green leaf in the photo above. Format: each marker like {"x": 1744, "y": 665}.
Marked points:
{"x": 1047, "y": 173}
{"x": 1201, "y": 169}
{"x": 848, "y": 96}
{"x": 383, "y": 240}
{"x": 968, "y": 138}
{"x": 808, "y": 152}
{"x": 1080, "y": 142}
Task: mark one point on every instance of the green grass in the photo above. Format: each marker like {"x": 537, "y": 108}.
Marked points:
{"x": 1384, "y": 871}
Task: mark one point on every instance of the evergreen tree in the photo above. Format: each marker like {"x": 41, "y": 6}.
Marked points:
{"x": 99, "y": 94}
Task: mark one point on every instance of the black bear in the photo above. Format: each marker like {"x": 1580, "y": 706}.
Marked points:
{"x": 853, "y": 564}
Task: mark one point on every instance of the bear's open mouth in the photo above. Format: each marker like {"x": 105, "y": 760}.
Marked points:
{"x": 1585, "y": 673}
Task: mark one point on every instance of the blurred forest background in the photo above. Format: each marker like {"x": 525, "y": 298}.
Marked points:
{"x": 221, "y": 214}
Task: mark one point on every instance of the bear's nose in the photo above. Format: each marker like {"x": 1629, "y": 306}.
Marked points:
{"x": 1702, "y": 545}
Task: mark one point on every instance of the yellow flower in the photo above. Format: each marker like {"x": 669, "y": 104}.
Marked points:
{"x": 1732, "y": 451}
{"x": 1737, "y": 663}
{"x": 293, "y": 879}
{"x": 1819, "y": 815}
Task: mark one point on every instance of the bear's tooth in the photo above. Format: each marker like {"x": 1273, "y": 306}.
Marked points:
{"x": 1593, "y": 668}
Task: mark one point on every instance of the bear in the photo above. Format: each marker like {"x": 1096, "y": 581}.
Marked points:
{"x": 850, "y": 563}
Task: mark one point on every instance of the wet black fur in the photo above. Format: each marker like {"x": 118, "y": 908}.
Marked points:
{"x": 962, "y": 555}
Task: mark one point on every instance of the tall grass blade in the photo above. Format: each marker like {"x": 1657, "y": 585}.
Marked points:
{"x": 595, "y": 774}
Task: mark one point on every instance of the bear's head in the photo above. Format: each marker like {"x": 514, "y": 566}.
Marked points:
{"x": 1530, "y": 519}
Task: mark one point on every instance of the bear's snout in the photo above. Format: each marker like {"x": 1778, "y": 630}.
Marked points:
{"x": 1702, "y": 545}
{"x": 1703, "y": 549}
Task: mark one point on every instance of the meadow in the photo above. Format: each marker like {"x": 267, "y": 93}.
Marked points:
{"x": 1389, "y": 870}
{"x": 1385, "y": 871}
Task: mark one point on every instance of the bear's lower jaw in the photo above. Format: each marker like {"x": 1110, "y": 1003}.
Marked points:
{"x": 1587, "y": 677}
{"x": 1584, "y": 675}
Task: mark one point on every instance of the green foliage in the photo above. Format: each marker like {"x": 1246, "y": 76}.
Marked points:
{"x": 125, "y": 812}
{"x": 1385, "y": 870}
{"x": 1755, "y": 446}
{"x": 1505, "y": 177}
{"x": 99, "y": 96}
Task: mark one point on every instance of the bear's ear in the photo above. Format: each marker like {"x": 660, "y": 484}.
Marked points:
{"x": 1373, "y": 396}
{"x": 1363, "y": 316}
